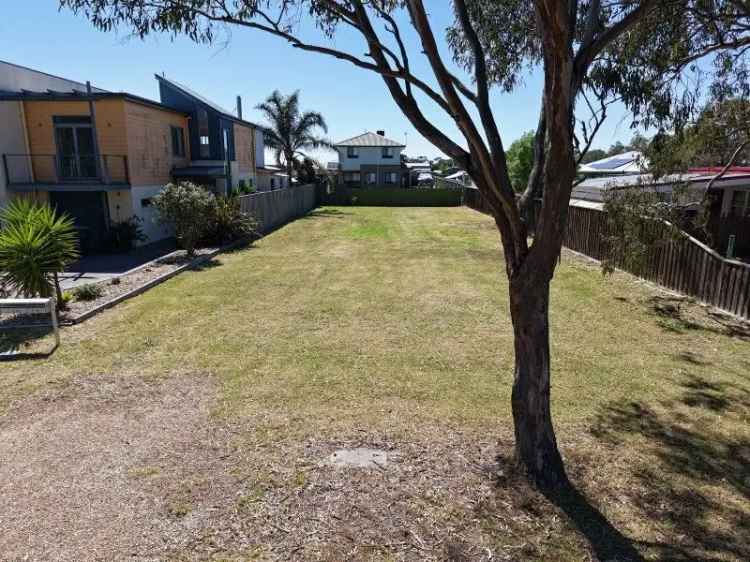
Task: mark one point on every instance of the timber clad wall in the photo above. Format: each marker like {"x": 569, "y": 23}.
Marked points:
{"x": 682, "y": 264}
{"x": 110, "y": 127}
{"x": 149, "y": 143}
{"x": 123, "y": 128}
{"x": 244, "y": 148}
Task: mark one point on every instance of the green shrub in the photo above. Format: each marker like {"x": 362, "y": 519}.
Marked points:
{"x": 89, "y": 292}
{"x": 188, "y": 208}
{"x": 35, "y": 245}
{"x": 245, "y": 187}
{"x": 228, "y": 223}
{"x": 123, "y": 235}
{"x": 65, "y": 299}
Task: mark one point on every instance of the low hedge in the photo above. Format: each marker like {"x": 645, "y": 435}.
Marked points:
{"x": 395, "y": 197}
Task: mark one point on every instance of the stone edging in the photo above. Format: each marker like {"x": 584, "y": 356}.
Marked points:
{"x": 149, "y": 284}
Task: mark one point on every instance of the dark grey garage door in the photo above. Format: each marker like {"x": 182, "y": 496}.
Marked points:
{"x": 89, "y": 211}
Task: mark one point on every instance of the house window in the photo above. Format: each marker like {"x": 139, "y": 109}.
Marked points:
{"x": 352, "y": 152}
{"x": 351, "y": 177}
{"x": 273, "y": 183}
{"x": 178, "y": 142}
{"x": 740, "y": 204}
{"x": 391, "y": 177}
{"x": 387, "y": 152}
{"x": 146, "y": 202}
{"x": 371, "y": 178}
{"x": 205, "y": 144}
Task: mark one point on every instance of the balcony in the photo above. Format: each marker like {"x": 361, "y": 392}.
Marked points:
{"x": 51, "y": 172}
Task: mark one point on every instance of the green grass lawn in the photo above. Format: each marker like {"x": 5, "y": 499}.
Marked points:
{"x": 396, "y": 319}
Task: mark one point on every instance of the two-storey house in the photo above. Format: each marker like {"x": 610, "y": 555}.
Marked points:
{"x": 99, "y": 156}
{"x": 225, "y": 149}
{"x": 371, "y": 160}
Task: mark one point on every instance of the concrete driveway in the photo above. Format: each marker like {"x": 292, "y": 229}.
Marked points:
{"x": 99, "y": 267}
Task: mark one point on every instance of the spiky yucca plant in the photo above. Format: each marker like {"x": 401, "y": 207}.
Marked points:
{"x": 35, "y": 245}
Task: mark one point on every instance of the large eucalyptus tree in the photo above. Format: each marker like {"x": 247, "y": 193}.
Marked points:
{"x": 647, "y": 54}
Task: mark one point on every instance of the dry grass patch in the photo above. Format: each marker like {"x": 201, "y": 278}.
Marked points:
{"x": 386, "y": 328}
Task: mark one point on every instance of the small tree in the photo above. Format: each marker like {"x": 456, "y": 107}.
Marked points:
{"x": 520, "y": 158}
{"x": 188, "y": 208}
{"x": 229, "y": 223}
{"x": 35, "y": 245}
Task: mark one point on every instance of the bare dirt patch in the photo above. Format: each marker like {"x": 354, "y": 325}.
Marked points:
{"x": 125, "y": 468}
{"x": 78, "y": 463}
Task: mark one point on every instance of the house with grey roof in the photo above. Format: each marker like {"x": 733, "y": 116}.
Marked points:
{"x": 371, "y": 160}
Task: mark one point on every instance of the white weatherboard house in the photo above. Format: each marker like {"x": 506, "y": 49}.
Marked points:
{"x": 371, "y": 160}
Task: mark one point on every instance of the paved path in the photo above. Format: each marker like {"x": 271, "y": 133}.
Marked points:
{"x": 99, "y": 267}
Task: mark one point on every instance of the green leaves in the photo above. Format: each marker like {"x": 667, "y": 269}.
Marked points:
{"x": 188, "y": 208}
{"x": 35, "y": 244}
{"x": 289, "y": 131}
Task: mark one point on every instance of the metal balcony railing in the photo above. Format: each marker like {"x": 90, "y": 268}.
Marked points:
{"x": 45, "y": 169}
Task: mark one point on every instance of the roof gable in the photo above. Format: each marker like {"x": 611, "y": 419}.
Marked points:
{"x": 203, "y": 100}
{"x": 369, "y": 139}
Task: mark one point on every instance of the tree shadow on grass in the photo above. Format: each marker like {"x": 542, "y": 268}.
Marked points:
{"x": 681, "y": 315}
{"x": 326, "y": 213}
{"x": 604, "y": 540}
{"x": 692, "y": 476}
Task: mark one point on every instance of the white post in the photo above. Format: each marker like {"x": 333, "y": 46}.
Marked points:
{"x": 55, "y": 325}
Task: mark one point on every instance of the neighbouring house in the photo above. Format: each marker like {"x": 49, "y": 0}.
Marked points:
{"x": 99, "y": 156}
{"x": 626, "y": 163}
{"x": 461, "y": 177}
{"x": 272, "y": 177}
{"x": 420, "y": 174}
{"x": 729, "y": 198}
{"x": 224, "y": 147}
{"x": 228, "y": 152}
{"x": 14, "y": 79}
{"x": 371, "y": 160}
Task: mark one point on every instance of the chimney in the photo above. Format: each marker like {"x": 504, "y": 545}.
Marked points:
{"x": 239, "y": 107}
{"x": 381, "y": 133}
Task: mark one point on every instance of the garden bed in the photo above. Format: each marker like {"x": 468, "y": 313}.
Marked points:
{"x": 115, "y": 290}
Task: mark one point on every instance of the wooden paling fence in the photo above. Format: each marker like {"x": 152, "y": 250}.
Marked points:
{"x": 678, "y": 262}
{"x": 276, "y": 208}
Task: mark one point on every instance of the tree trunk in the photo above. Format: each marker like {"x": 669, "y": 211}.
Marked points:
{"x": 289, "y": 157}
{"x": 58, "y": 293}
{"x": 536, "y": 447}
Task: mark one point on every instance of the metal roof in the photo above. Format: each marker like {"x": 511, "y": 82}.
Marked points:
{"x": 369, "y": 139}
{"x": 76, "y": 95}
{"x": 593, "y": 189}
{"x": 203, "y": 100}
{"x": 632, "y": 162}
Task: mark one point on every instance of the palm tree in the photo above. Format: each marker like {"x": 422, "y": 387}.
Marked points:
{"x": 290, "y": 132}
{"x": 35, "y": 245}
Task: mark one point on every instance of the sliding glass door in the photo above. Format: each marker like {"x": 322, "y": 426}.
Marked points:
{"x": 75, "y": 148}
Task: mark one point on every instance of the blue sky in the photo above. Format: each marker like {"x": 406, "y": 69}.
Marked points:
{"x": 252, "y": 64}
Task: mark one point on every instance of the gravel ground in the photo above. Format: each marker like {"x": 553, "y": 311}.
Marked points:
{"x": 130, "y": 469}
{"x": 117, "y": 286}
